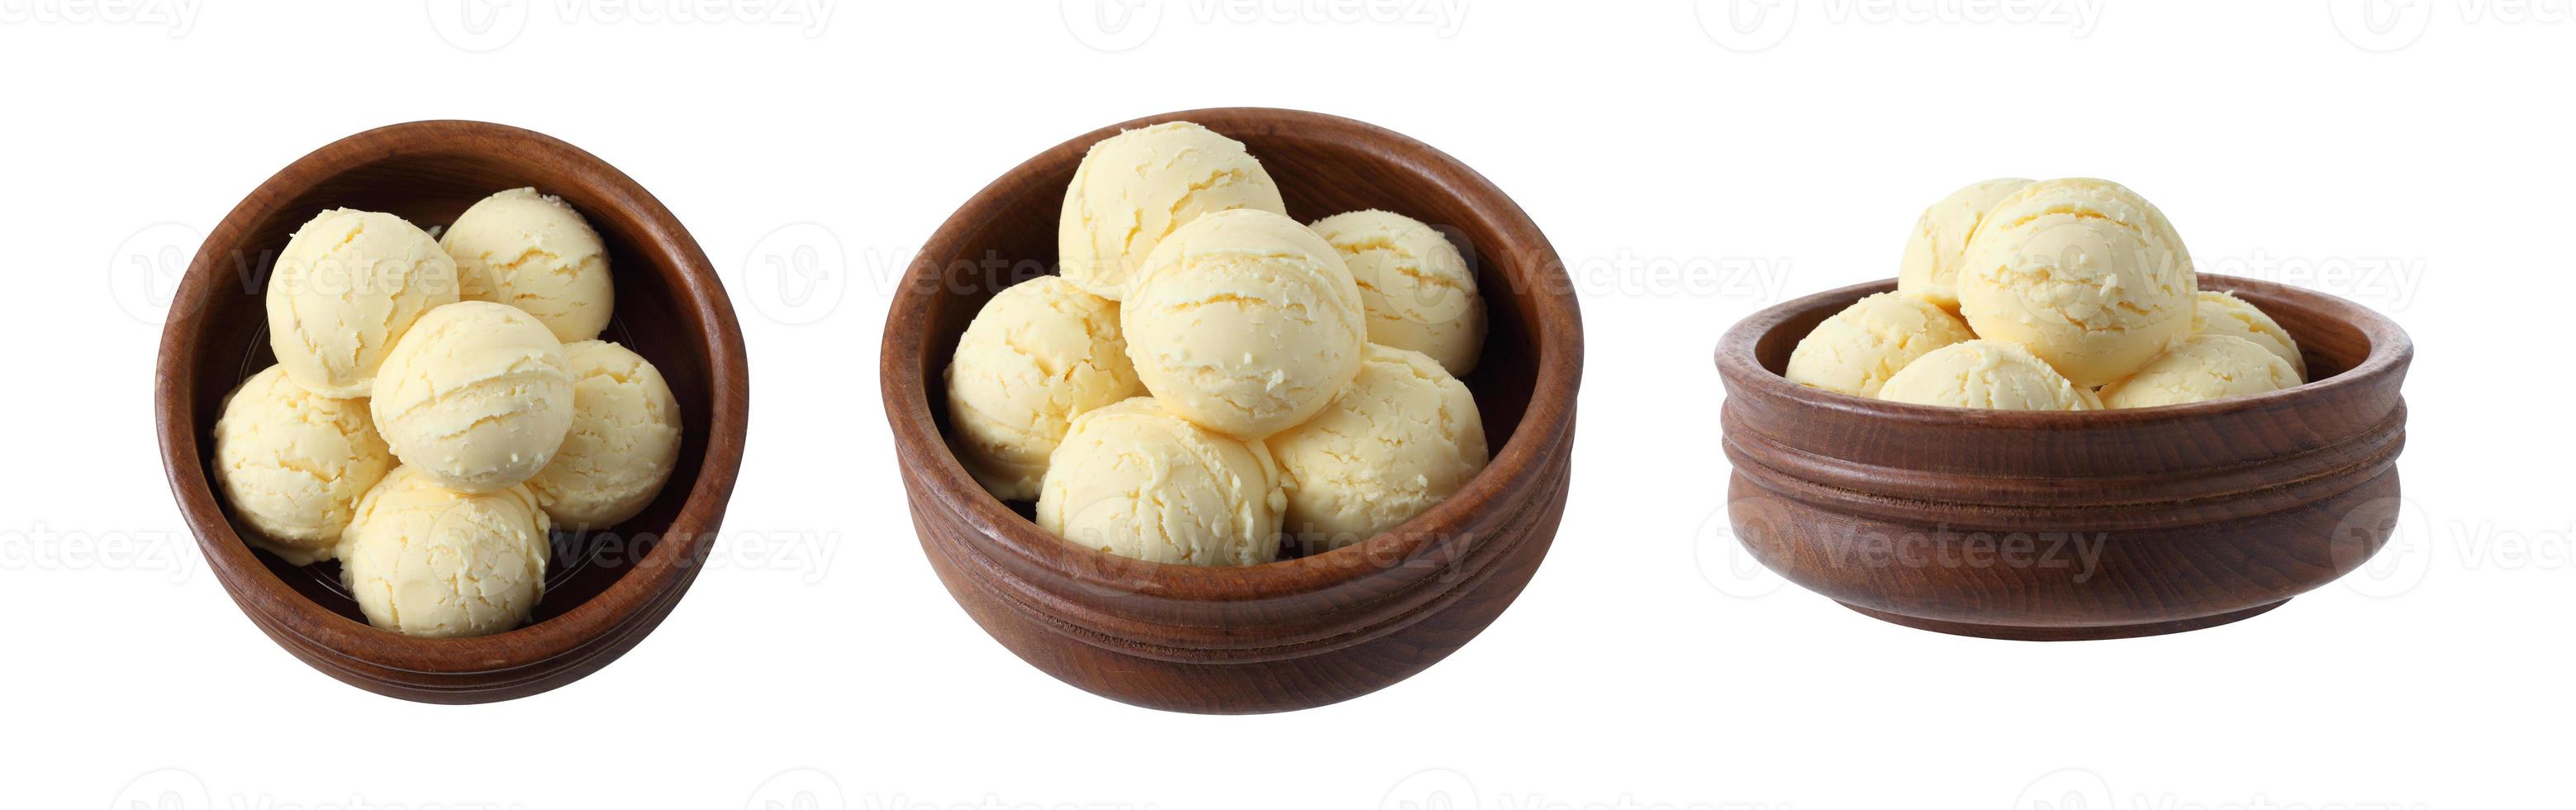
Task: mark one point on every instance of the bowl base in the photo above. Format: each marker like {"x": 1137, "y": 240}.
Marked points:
{"x": 2026, "y": 633}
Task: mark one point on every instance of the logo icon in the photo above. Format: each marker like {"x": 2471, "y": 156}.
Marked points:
{"x": 1747, "y": 26}
{"x": 478, "y": 25}
{"x": 1727, "y": 562}
{"x": 797, "y": 274}
{"x": 144, "y": 272}
{"x": 1111, "y": 26}
{"x": 165, "y": 789}
{"x": 800, "y": 789}
{"x": 1435, "y": 789}
{"x": 2380, "y": 26}
{"x": 2066, "y": 789}
{"x": 2398, "y": 566}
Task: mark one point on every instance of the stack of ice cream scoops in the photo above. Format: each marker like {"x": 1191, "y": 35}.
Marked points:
{"x": 2060, "y": 295}
{"x": 1206, "y": 380}
{"x": 438, "y": 405}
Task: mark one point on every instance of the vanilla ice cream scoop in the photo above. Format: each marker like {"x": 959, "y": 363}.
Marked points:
{"x": 477, "y": 396}
{"x": 2223, "y": 314}
{"x": 1989, "y": 374}
{"x": 1037, "y": 355}
{"x": 534, "y": 252}
{"x": 2084, "y": 273}
{"x": 1930, "y": 270}
{"x": 1856, "y": 350}
{"x": 2204, "y": 368}
{"x": 1401, "y": 439}
{"x": 1418, "y": 290}
{"x": 624, "y": 441}
{"x": 424, "y": 560}
{"x": 1245, "y": 322}
{"x": 345, "y": 288}
{"x": 1138, "y": 186}
{"x": 1135, "y": 480}
{"x": 293, "y": 464}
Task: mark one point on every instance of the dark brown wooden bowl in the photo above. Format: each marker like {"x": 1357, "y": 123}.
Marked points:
{"x": 2059, "y": 526}
{"x": 604, "y": 590}
{"x": 1288, "y": 635}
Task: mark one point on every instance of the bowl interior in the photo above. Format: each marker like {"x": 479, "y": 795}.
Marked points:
{"x": 1317, "y": 177}
{"x": 430, "y": 188}
{"x": 2330, "y": 344}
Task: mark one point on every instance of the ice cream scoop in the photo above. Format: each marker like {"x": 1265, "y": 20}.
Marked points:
{"x": 424, "y": 560}
{"x": 293, "y": 463}
{"x": 1245, "y": 322}
{"x": 1930, "y": 269}
{"x": 1418, "y": 290}
{"x": 1135, "y": 188}
{"x": 624, "y": 440}
{"x": 2084, "y": 273}
{"x": 1139, "y": 481}
{"x": 1988, "y": 374}
{"x": 476, "y": 397}
{"x": 1856, "y": 350}
{"x": 1400, "y": 440}
{"x": 345, "y": 289}
{"x": 2204, "y": 368}
{"x": 2220, "y": 313}
{"x": 1037, "y": 355}
{"x": 534, "y": 252}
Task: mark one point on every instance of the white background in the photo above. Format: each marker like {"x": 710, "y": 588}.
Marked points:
{"x": 1691, "y": 172}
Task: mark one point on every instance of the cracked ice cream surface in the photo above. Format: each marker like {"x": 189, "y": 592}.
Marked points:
{"x": 293, "y": 463}
{"x": 1418, "y": 290}
{"x": 477, "y": 396}
{"x": 1136, "y": 480}
{"x": 1402, "y": 438}
{"x": 1858, "y": 349}
{"x": 346, "y": 287}
{"x": 1245, "y": 322}
{"x": 1135, "y": 188}
{"x": 623, "y": 444}
{"x": 534, "y": 252}
{"x": 1986, "y": 374}
{"x": 1037, "y": 355}
{"x": 2206, "y": 367}
{"x": 2085, "y": 273}
{"x": 1930, "y": 269}
{"x": 424, "y": 560}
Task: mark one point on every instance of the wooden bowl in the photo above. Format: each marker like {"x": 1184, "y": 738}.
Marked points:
{"x": 2060, "y": 526}
{"x": 604, "y": 590}
{"x": 1286, "y": 635}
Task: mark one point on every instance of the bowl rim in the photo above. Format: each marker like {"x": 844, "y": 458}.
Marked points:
{"x": 680, "y": 549}
{"x": 1545, "y": 427}
{"x": 2390, "y": 348}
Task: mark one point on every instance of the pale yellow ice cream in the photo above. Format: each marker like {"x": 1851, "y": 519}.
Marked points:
{"x": 2204, "y": 368}
{"x": 1401, "y": 439}
{"x": 477, "y": 396}
{"x": 2223, "y": 314}
{"x": 1138, "y": 186}
{"x": 293, "y": 464}
{"x": 1986, "y": 374}
{"x": 1037, "y": 355}
{"x": 1930, "y": 270}
{"x": 1418, "y": 290}
{"x": 347, "y": 286}
{"x": 424, "y": 560}
{"x": 1856, "y": 350}
{"x": 534, "y": 252}
{"x": 624, "y": 441}
{"x": 1138, "y": 481}
{"x": 2084, "y": 273}
{"x": 1245, "y": 322}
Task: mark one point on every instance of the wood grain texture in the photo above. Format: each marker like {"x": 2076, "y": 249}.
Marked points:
{"x": 1301, "y": 632}
{"x": 606, "y": 589}
{"x": 2057, "y": 526}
